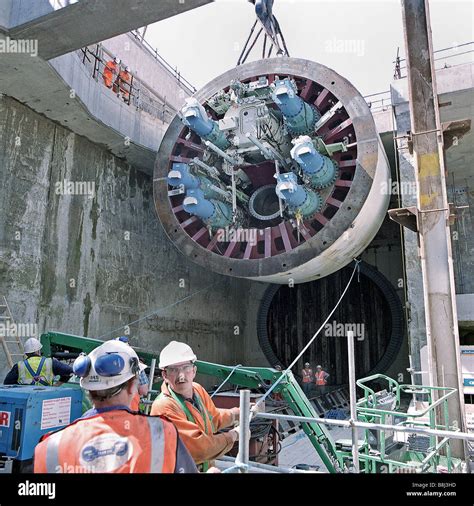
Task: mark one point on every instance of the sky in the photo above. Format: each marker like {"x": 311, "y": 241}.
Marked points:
{"x": 357, "y": 39}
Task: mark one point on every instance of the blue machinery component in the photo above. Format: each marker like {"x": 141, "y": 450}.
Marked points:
{"x": 213, "y": 212}
{"x": 28, "y": 412}
{"x": 300, "y": 117}
{"x": 195, "y": 117}
{"x": 180, "y": 175}
{"x": 320, "y": 170}
{"x": 298, "y": 198}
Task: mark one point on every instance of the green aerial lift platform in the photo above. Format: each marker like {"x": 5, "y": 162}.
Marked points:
{"x": 378, "y": 452}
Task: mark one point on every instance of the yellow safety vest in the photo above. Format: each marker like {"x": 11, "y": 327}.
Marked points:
{"x": 36, "y": 371}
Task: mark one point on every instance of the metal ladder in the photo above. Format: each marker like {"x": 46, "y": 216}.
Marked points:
{"x": 12, "y": 346}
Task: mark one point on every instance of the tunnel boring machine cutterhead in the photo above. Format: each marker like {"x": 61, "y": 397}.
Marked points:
{"x": 273, "y": 171}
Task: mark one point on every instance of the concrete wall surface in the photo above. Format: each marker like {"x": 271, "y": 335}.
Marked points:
{"x": 88, "y": 264}
{"x": 465, "y": 307}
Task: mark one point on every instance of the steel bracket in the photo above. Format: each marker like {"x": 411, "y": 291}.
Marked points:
{"x": 405, "y": 216}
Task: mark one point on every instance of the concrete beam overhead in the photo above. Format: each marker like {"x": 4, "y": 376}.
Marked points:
{"x": 91, "y": 21}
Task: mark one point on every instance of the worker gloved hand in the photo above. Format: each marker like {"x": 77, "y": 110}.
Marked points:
{"x": 213, "y": 470}
{"x": 236, "y": 430}
{"x": 256, "y": 408}
{"x": 235, "y": 433}
{"x": 236, "y": 415}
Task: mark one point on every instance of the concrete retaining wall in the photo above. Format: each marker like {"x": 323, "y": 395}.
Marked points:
{"x": 86, "y": 265}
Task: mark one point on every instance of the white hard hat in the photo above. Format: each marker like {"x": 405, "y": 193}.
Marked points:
{"x": 176, "y": 353}
{"x": 109, "y": 365}
{"x": 127, "y": 68}
{"x": 32, "y": 345}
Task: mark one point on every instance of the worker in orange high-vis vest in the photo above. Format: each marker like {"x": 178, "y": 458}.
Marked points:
{"x": 321, "y": 379}
{"x": 190, "y": 408}
{"x": 110, "y": 438}
{"x": 124, "y": 81}
{"x": 110, "y": 73}
{"x": 307, "y": 375}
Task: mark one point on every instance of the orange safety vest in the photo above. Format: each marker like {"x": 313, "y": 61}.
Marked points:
{"x": 108, "y": 74}
{"x": 320, "y": 380}
{"x": 124, "y": 81}
{"x": 307, "y": 375}
{"x": 114, "y": 441}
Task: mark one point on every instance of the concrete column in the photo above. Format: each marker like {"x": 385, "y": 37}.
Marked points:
{"x": 435, "y": 246}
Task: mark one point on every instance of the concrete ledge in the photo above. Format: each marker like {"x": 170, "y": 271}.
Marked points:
{"x": 64, "y": 92}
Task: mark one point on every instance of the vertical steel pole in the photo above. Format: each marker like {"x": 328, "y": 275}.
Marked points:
{"x": 152, "y": 373}
{"x": 435, "y": 243}
{"x": 150, "y": 384}
{"x": 244, "y": 427}
{"x": 353, "y": 399}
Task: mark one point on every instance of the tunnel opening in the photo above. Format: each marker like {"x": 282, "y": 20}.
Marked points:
{"x": 289, "y": 317}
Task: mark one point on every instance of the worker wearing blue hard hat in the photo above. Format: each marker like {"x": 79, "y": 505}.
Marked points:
{"x": 112, "y": 439}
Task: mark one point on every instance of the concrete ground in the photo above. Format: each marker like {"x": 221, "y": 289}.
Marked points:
{"x": 297, "y": 449}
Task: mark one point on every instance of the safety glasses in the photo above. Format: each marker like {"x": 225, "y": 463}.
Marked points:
{"x": 181, "y": 369}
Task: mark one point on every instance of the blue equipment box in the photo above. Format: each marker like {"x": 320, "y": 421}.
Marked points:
{"x": 28, "y": 412}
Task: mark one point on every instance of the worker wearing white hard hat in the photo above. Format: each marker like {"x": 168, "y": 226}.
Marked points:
{"x": 36, "y": 369}
{"x": 190, "y": 408}
{"x": 111, "y": 438}
{"x": 307, "y": 378}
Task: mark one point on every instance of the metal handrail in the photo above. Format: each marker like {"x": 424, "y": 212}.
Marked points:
{"x": 445, "y": 49}
{"x": 153, "y": 52}
{"x": 379, "y": 104}
{"x": 398, "y": 68}
{"x": 375, "y": 411}
{"x": 368, "y": 425}
{"x": 136, "y": 95}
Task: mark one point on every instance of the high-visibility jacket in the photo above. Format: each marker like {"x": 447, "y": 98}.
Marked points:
{"x": 110, "y": 71}
{"x": 197, "y": 428}
{"x": 307, "y": 375}
{"x": 114, "y": 441}
{"x": 320, "y": 378}
{"x": 36, "y": 371}
{"x": 124, "y": 80}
